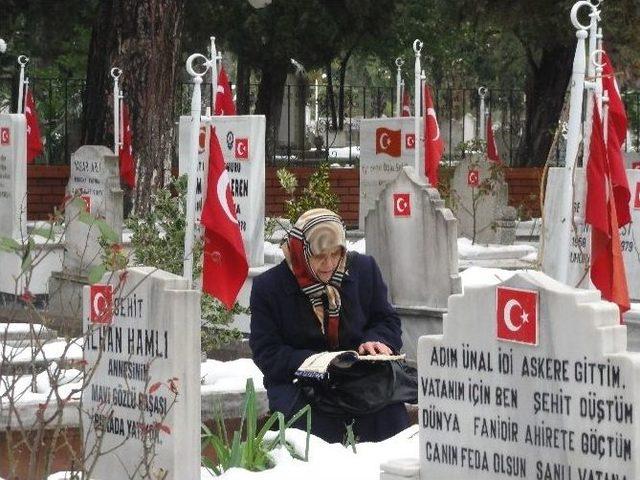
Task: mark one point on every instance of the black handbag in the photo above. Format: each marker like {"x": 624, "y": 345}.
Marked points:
{"x": 354, "y": 386}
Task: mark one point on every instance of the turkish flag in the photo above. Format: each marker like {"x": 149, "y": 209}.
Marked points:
{"x": 34, "y": 142}
{"x": 492, "y": 148}
{"x": 473, "y": 178}
{"x": 607, "y": 265}
{"x": 619, "y": 180}
{"x": 617, "y": 114}
{"x": 401, "y": 205}
{"x": 406, "y": 104}
{"x": 388, "y": 141}
{"x": 127, "y": 163}
{"x": 224, "y": 97}
{"x": 101, "y": 304}
{"x": 434, "y": 146}
{"x": 636, "y": 202}
{"x": 225, "y": 266}
{"x": 517, "y": 315}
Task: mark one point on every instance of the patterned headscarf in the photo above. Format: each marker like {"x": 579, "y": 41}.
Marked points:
{"x": 318, "y": 231}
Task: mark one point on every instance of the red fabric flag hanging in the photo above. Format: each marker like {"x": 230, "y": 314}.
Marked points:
{"x": 607, "y": 265}
{"x": 617, "y": 113}
{"x": 224, "y": 96}
{"x": 127, "y": 163}
{"x": 406, "y": 103}
{"x": 34, "y": 142}
{"x": 492, "y": 147}
{"x": 225, "y": 266}
{"x": 434, "y": 146}
{"x": 619, "y": 180}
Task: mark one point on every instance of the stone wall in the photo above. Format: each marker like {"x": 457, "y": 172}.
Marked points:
{"x": 45, "y": 189}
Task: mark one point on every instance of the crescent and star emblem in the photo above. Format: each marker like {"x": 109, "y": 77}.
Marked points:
{"x": 384, "y": 141}
{"x": 401, "y": 205}
{"x": 98, "y": 309}
{"x": 241, "y": 149}
{"x": 432, "y": 113}
{"x": 5, "y": 135}
{"x": 221, "y": 190}
{"x": 509, "y": 306}
{"x": 473, "y": 177}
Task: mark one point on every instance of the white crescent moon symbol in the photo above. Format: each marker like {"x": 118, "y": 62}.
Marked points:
{"x": 96, "y": 303}
{"x": 411, "y": 141}
{"x": 241, "y": 149}
{"x": 473, "y": 177}
{"x": 507, "y": 315}
{"x": 401, "y": 205}
{"x": 220, "y": 89}
{"x": 5, "y": 135}
{"x": 431, "y": 112}
{"x": 221, "y": 190}
{"x": 384, "y": 141}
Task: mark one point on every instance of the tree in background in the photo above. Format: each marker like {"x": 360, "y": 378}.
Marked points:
{"x": 143, "y": 38}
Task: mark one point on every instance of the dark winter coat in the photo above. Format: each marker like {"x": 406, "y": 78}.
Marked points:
{"x": 285, "y": 331}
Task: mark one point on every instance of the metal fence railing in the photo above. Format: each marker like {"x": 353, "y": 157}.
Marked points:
{"x": 305, "y": 132}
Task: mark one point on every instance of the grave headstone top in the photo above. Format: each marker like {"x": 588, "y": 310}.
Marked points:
{"x": 13, "y": 175}
{"x": 142, "y": 399}
{"x": 479, "y": 200}
{"x": 413, "y": 237}
{"x": 530, "y": 379}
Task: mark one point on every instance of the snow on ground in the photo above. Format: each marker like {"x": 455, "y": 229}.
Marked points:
{"x": 230, "y": 376}
{"x": 329, "y": 460}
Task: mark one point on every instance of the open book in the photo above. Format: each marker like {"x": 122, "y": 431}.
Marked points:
{"x": 317, "y": 365}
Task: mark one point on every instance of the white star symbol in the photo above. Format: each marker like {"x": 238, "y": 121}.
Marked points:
{"x": 524, "y": 317}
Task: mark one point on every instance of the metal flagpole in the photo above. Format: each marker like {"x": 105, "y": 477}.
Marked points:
{"x": 423, "y": 84}
{"x": 482, "y": 92}
{"x": 573, "y": 144}
{"x": 214, "y": 73}
{"x": 417, "y": 48}
{"x": 22, "y": 61}
{"x": 399, "y": 63}
{"x": 115, "y": 74}
{"x": 591, "y": 83}
{"x": 196, "y": 110}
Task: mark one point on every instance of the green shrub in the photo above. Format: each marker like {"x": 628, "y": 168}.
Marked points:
{"x": 248, "y": 448}
{"x": 158, "y": 241}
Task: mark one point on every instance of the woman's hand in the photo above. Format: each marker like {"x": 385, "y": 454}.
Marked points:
{"x": 374, "y": 348}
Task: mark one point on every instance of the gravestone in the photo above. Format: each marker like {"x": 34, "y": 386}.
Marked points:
{"x": 479, "y": 201}
{"x": 94, "y": 177}
{"x": 413, "y": 237}
{"x": 142, "y": 399}
{"x": 291, "y": 131}
{"x": 13, "y": 176}
{"x": 530, "y": 379}
{"x": 242, "y": 141}
{"x": 386, "y": 146}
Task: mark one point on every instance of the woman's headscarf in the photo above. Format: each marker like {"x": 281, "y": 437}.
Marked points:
{"x": 317, "y": 231}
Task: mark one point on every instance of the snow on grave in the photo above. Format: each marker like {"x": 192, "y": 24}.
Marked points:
{"x": 143, "y": 397}
{"x": 479, "y": 202}
{"x": 386, "y": 146}
{"x": 13, "y": 175}
{"x": 413, "y": 237}
{"x": 94, "y": 176}
{"x": 530, "y": 379}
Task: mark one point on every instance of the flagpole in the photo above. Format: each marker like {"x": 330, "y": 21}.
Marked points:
{"x": 417, "y": 48}
{"x": 482, "y": 91}
{"x": 196, "y": 111}
{"x": 399, "y": 63}
{"x": 22, "y": 61}
{"x": 573, "y": 143}
{"x": 591, "y": 72}
{"x": 115, "y": 74}
{"x": 214, "y": 73}
{"x": 423, "y": 84}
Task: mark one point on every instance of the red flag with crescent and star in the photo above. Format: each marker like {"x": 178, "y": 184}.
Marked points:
{"x": 224, "y": 96}
{"x": 388, "y": 141}
{"x": 434, "y": 146}
{"x": 34, "y": 142}
{"x": 492, "y": 147}
{"x": 517, "y": 315}
{"x": 406, "y": 103}
{"x": 127, "y": 163}
{"x": 224, "y": 264}
{"x": 607, "y": 264}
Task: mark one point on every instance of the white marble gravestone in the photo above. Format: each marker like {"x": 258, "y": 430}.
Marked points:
{"x": 386, "y": 146}
{"x": 13, "y": 176}
{"x": 480, "y": 198}
{"x": 142, "y": 345}
{"x": 413, "y": 237}
{"x": 530, "y": 379}
{"x": 242, "y": 142}
{"x": 95, "y": 177}
{"x": 577, "y": 254}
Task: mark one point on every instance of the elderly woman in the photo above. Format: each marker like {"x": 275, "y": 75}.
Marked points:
{"x": 322, "y": 298}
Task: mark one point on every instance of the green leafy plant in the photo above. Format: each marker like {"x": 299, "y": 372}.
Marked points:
{"x": 158, "y": 241}
{"x": 317, "y": 194}
{"x": 248, "y": 447}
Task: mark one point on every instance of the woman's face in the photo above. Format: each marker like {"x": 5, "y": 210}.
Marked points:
{"x": 323, "y": 264}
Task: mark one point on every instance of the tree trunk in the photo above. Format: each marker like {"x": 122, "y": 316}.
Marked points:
{"x": 331, "y": 101}
{"x": 269, "y": 102}
{"x": 143, "y": 39}
{"x": 545, "y": 92}
{"x": 243, "y": 87}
